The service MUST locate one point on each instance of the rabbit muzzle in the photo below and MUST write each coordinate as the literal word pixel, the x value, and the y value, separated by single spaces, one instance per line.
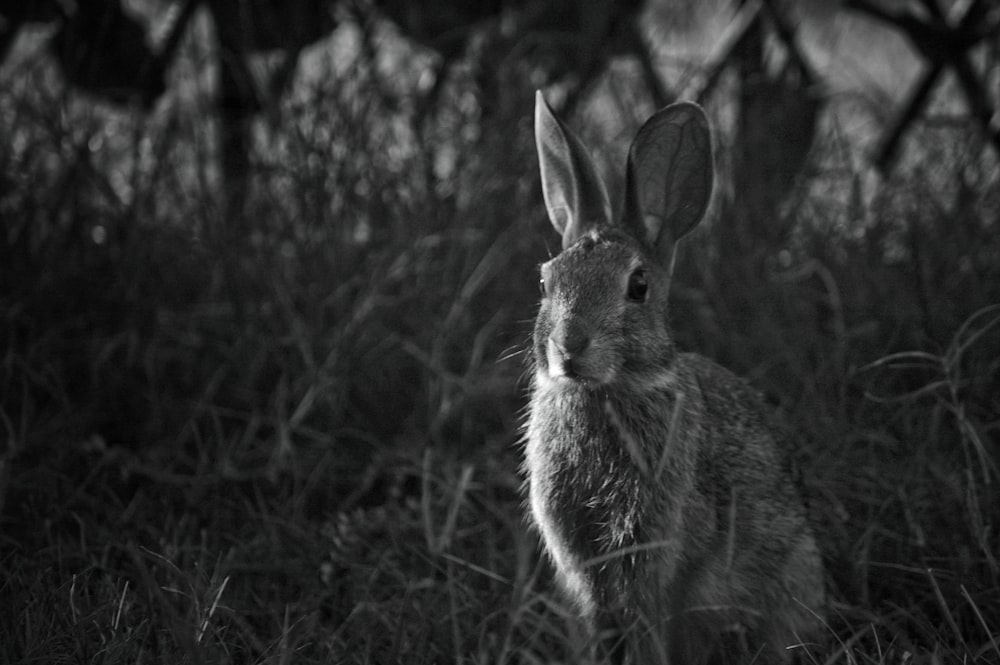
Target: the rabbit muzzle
pixel 572 355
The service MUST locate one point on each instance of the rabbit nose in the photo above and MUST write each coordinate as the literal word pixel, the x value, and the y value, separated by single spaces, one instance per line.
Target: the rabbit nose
pixel 565 348
pixel 574 342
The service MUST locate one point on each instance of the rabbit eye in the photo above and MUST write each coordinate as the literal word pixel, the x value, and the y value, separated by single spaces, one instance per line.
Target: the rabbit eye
pixel 637 286
pixel 541 287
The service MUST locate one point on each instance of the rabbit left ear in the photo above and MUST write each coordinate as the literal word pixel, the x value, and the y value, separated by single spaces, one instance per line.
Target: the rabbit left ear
pixel 669 176
pixel 575 195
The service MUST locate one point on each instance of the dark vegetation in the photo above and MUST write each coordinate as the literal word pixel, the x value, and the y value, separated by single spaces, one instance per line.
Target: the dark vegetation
pixel 296 440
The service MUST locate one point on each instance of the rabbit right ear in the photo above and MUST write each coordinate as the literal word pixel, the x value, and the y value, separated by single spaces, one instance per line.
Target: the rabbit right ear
pixel 669 178
pixel 575 195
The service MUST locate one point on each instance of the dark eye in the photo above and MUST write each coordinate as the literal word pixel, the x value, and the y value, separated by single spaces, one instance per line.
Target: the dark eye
pixel 541 286
pixel 637 286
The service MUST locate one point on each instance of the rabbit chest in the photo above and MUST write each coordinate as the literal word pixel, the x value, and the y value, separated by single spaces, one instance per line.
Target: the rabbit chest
pixel 589 461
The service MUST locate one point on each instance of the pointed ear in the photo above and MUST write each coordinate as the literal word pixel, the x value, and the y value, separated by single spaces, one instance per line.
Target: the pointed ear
pixel 669 176
pixel 575 195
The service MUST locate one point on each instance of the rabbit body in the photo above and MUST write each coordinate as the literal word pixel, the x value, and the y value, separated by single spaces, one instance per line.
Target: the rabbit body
pixel 654 476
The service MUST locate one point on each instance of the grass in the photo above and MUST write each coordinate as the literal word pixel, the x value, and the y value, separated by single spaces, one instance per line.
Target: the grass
pixel 300 444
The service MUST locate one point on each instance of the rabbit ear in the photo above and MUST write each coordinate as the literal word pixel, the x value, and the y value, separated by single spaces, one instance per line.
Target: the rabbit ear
pixel 669 176
pixel 575 195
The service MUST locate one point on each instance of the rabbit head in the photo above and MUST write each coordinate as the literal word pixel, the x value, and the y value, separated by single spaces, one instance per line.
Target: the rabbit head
pixel 603 315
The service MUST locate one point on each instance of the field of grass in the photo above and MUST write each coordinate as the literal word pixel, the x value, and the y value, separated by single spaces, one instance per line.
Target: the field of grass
pixel 295 440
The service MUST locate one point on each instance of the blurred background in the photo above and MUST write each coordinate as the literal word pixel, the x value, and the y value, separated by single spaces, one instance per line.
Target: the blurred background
pixel 268 272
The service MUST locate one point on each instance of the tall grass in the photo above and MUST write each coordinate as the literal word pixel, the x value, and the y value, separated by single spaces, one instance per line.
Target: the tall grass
pixel 297 441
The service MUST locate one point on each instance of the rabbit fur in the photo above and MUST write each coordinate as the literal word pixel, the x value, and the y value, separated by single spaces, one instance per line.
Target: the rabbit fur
pixel 654 477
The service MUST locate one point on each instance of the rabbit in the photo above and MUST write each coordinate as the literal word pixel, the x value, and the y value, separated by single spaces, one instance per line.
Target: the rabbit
pixel 654 477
